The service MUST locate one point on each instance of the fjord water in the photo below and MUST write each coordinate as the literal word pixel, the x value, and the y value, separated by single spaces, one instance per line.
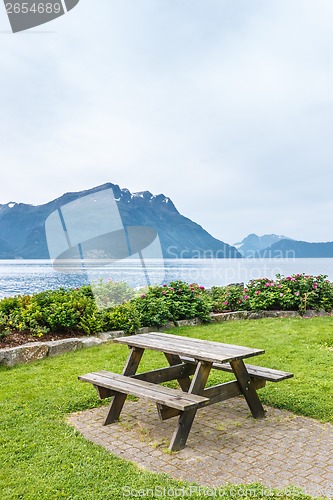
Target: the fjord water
pixel 21 277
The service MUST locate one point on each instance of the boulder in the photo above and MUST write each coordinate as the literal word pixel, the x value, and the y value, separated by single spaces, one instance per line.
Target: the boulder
pixel 56 347
pixel 23 354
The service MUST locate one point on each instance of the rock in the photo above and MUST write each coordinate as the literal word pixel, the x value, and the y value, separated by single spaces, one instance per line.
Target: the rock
pixel 105 336
pixel 217 317
pixel 56 347
pixel 23 354
pixel 188 322
pixel 91 342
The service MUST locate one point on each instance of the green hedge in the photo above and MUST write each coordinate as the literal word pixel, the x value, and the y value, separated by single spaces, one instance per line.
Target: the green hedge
pixel 115 306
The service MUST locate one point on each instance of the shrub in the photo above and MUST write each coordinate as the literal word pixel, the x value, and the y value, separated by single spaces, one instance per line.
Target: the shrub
pixel 227 298
pixel 110 293
pixel 298 292
pixel 173 302
pixel 88 310
pixel 124 317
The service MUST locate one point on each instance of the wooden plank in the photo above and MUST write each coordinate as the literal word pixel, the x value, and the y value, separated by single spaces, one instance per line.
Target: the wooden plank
pixel 161 375
pixel 186 342
pixel 222 392
pixel 197 341
pixel 248 389
pixel 227 390
pixel 119 399
pixel 269 374
pixel 196 348
pixel 133 361
pixel 150 339
pixel 103 392
pixel 157 393
pixel 216 394
pixel 185 419
pixel 184 381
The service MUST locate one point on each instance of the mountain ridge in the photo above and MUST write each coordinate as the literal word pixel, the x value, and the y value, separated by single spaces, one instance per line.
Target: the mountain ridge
pixel 22 231
pixel 253 246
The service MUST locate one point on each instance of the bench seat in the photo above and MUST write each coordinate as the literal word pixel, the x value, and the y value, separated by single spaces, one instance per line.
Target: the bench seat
pixel 259 372
pixel 174 398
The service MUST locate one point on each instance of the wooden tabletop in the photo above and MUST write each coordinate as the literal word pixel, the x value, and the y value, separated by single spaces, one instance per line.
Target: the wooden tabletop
pixel 202 350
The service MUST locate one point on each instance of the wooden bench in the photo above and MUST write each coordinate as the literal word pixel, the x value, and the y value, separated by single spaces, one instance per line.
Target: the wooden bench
pixel 115 383
pixel 255 372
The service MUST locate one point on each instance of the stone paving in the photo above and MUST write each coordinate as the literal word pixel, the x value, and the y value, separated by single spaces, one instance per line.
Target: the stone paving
pixel 225 445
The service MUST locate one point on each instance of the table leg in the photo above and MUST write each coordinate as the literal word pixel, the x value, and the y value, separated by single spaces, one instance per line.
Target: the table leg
pixel 119 399
pixel 174 359
pixel 247 388
pixel 185 382
pixel 186 418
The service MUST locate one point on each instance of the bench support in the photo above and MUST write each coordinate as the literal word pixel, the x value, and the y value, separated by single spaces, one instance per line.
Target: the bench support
pixel 247 388
pixel 119 399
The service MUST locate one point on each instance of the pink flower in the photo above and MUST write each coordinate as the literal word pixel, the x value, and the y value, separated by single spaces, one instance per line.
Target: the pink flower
pixel 246 297
pixel 257 292
pixel 281 294
pixel 315 286
pixel 143 295
pixel 165 284
pixel 279 286
pixel 225 302
pixel 163 293
pixel 297 294
pixel 267 284
pixel 202 287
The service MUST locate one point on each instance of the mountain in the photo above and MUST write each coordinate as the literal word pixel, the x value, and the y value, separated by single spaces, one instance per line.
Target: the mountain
pixel 22 230
pixel 274 246
pixel 252 244
pixel 293 249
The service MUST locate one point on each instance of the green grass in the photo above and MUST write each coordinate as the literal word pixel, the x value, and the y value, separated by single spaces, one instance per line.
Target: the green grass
pixel 44 458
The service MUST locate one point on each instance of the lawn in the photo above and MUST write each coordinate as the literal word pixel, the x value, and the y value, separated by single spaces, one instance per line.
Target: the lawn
pixel 44 458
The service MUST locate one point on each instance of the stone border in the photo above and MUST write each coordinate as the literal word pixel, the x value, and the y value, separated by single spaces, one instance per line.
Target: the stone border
pixel 34 351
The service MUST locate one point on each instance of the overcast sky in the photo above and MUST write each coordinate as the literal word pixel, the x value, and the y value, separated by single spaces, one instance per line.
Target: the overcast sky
pixel 225 106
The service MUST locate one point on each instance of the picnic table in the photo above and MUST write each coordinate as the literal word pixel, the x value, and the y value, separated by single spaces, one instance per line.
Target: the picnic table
pixel 186 357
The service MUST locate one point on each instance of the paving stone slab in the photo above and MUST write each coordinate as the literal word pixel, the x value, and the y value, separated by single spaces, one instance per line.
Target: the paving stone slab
pixel 295 450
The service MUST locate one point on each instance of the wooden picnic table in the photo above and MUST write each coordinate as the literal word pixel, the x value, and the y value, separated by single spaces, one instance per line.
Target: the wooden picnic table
pixel 186 357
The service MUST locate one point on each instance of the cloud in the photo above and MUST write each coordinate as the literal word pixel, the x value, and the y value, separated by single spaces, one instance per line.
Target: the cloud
pixel 226 107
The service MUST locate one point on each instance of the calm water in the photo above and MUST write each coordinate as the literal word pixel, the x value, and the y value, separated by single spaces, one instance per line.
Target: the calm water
pixel 31 276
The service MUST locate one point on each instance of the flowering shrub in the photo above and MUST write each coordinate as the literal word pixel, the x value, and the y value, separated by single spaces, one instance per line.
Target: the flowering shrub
pixel 173 302
pixel 298 292
pixel 227 298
